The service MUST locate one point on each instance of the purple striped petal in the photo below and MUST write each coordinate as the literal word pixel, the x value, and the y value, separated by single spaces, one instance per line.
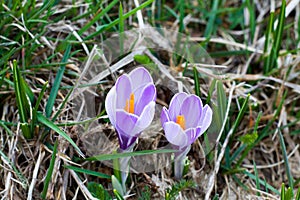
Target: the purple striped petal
pixel 206 118
pixel 193 134
pixel 191 109
pixel 164 116
pixel 110 105
pixel 147 95
pixel 175 105
pixel 139 78
pixel 125 141
pixel 126 122
pixel 123 90
pixel 146 118
pixel 175 135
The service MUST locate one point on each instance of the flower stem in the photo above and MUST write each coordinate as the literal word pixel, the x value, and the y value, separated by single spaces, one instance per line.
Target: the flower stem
pixel 179 162
pixel 124 166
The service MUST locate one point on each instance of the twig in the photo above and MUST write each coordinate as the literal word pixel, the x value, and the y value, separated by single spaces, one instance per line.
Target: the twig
pixel 35 173
pixel 219 158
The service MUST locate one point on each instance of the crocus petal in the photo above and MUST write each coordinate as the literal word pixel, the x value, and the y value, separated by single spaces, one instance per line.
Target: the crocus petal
pixel 123 90
pixel 193 134
pixel 126 122
pixel 206 118
pixel 191 109
pixel 175 105
pixel 148 94
pixel 145 118
pixel 164 116
pixel 175 135
pixel 125 141
pixel 139 78
pixel 110 105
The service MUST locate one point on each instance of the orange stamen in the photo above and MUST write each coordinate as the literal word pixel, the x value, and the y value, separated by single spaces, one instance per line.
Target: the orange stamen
pixel 131 103
pixel 181 121
pixel 129 106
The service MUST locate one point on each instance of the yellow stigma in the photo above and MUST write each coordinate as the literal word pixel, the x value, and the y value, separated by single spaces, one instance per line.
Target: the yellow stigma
pixel 129 106
pixel 181 121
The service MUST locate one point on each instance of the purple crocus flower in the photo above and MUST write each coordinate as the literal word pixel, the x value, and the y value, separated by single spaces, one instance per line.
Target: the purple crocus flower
pixel 184 121
pixel 130 105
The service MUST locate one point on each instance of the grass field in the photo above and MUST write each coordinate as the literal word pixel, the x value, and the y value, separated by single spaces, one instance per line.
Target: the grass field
pixel 60 58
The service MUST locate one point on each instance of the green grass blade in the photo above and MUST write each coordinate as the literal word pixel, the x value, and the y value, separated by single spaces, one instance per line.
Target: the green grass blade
pixel 181 16
pixel 298 194
pixel 42 119
pixel 197 85
pixel 27 90
pixel 211 22
pixel 50 171
pixel 264 132
pixel 22 101
pixel 251 8
pixel 277 38
pixel 211 89
pixel 89 172
pixel 62 105
pixel 221 101
pixel 265 184
pixel 279 30
pixel 35 109
pixel 103 157
pixel 47 5
pixel 286 161
pixel 282 194
pixel 116 167
pixel 5 57
pixel 121 30
pixel 3 125
pixel 98 16
pixel 256 178
pixel 268 40
pixel 241 114
pixel 57 82
pixel 20 176
pixel 115 22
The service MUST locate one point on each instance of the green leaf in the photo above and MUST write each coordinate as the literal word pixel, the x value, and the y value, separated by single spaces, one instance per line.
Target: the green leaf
pixel 50 171
pixel 35 109
pixel 286 162
pixel 282 195
pixel 256 178
pixel 249 138
pixel 89 172
pixel 211 22
pixel 298 194
pixel 117 186
pixel 116 167
pixel 102 28
pixel 267 186
pixel 241 114
pixel 251 8
pixel 42 119
pixel 222 100
pixel 121 30
pixel 22 101
pixel 127 154
pixel 57 82
pixel 268 41
pixel 142 59
pixel 98 191
pixel 98 17
pixel 196 79
pixel 21 177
